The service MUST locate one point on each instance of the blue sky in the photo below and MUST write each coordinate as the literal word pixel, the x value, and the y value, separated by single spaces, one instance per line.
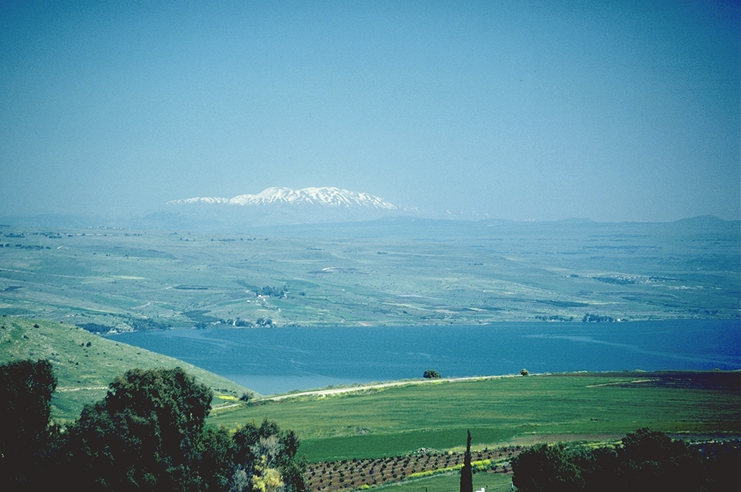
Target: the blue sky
pixel 539 110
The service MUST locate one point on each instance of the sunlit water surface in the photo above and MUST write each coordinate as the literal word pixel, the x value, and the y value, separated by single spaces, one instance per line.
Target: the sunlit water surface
pixel 278 360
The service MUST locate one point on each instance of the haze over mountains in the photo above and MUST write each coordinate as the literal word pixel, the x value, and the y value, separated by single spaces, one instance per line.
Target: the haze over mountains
pixel 323 207
pixel 274 206
pixel 279 206
pixel 326 196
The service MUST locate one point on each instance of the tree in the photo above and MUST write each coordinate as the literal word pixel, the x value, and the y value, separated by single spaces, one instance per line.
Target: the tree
pixel 26 388
pixel 146 434
pixel 546 468
pixel 467 471
pixel 265 459
pixel 645 461
pixel 431 374
pixel 651 460
pixel 216 465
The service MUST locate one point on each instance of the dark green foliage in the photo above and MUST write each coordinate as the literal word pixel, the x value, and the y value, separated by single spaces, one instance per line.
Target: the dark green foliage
pixel 431 374
pixel 546 468
pixel 723 465
pixel 652 461
pixel 466 471
pixel 26 388
pixel 216 463
pixel 645 461
pixel 146 324
pixel 293 472
pixel 596 318
pixel 269 291
pixel 145 435
pixel 96 327
pixel 278 447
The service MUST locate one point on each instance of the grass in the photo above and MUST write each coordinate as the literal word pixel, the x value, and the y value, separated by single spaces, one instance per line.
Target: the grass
pixel 492 482
pixel 400 420
pixel 397 421
pixel 85 364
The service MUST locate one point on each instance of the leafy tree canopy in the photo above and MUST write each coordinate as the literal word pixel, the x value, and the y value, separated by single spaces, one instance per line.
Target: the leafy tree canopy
pixel 644 461
pixel 144 435
pixel 26 389
pixel 147 434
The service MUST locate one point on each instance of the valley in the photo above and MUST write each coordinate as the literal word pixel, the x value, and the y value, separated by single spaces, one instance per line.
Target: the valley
pixel 391 272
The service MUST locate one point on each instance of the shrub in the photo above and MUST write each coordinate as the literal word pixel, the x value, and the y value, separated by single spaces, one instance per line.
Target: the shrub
pixel 431 374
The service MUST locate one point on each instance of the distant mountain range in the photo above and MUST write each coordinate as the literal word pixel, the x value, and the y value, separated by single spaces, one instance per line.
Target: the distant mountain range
pixel 326 196
pixel 312 211
pixel 278 206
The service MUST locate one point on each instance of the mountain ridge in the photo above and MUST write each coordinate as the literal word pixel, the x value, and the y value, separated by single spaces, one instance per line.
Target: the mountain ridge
pixel 322 196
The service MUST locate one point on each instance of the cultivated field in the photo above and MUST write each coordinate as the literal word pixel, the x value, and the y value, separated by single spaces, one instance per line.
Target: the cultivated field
pixel 410 434
pixel 399 420
pixel 393 272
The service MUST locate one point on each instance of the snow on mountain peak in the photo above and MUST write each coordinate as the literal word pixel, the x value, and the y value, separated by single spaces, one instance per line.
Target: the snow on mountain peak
pixel 327 196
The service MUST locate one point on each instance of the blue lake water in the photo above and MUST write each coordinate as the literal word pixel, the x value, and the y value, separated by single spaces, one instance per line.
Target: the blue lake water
pixel 278 360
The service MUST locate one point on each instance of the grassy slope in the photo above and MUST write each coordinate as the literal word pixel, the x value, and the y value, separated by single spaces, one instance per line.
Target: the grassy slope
pixel 399 420
pixel 83 373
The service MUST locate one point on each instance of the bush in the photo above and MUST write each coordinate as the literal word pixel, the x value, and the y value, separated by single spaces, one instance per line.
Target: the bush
pixel 644 461
pixel 431 374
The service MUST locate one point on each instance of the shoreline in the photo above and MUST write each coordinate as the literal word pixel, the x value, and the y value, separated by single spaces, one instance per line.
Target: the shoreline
pixel 641 377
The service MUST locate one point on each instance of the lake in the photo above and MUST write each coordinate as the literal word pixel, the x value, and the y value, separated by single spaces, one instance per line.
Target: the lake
pixel 278 360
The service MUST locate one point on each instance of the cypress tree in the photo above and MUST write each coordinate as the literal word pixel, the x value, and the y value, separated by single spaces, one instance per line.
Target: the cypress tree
pixel 466 471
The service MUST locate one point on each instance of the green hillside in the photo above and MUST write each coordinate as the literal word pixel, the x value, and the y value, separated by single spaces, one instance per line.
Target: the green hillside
pixel 85 364
pixel 399 420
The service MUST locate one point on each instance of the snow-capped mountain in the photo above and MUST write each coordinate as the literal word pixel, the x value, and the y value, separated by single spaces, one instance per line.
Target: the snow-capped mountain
pixel 326 196
pixel 280 206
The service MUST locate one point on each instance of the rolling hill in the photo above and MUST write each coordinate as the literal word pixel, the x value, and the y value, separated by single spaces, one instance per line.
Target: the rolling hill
pixel 85 364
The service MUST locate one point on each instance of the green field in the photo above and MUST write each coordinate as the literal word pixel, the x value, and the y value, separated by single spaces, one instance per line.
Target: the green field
pixel 393 273
pixel 85 364
pixel 450 483
pixel 400 420
pixel 398 273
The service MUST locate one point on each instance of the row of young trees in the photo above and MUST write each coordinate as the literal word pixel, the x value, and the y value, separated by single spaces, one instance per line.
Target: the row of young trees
pixel 147 434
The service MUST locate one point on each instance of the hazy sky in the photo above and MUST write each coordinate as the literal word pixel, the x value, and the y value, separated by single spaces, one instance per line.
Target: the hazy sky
pixel 622 110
